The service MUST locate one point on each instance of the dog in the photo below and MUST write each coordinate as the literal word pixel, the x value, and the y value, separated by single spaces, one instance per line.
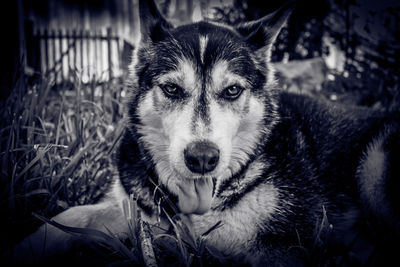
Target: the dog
pixel 208 125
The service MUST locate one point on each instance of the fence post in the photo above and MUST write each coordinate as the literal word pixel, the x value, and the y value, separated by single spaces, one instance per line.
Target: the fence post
pixel 110 73
pixel 87 34
pixel 68 36
pixel 81 53
pixel 119 54
pixel 74 38
pixel 61 48
pixel 96 56
pixel 99 43
pixel 46 51
pixel 53 44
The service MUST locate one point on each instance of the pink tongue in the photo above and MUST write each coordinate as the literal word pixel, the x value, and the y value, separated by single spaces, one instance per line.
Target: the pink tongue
pixel 195 195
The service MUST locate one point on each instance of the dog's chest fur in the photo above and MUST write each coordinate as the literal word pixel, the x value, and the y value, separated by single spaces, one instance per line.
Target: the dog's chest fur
pixel 242 221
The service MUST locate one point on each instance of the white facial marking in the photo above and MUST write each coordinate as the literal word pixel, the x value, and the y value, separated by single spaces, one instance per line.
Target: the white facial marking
pixel 203 44
pixel 222 77
pixel 184 76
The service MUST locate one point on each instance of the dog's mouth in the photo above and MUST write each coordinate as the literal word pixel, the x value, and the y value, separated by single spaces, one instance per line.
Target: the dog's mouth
pixel 195 195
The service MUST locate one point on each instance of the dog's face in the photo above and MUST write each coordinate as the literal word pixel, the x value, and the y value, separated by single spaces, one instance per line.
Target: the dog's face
pixel 202 94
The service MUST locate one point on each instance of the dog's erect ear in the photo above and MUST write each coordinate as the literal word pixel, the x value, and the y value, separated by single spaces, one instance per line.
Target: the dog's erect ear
pixel 262 33
pixel 153 26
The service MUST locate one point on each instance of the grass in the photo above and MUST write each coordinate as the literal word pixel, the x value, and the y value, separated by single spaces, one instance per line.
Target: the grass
pixel 55 148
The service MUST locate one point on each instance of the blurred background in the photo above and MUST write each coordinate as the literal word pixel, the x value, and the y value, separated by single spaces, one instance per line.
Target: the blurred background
pixel 64 64
pixel 349 47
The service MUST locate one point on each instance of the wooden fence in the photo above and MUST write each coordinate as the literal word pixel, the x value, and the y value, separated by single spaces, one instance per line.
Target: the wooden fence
pixel 67 54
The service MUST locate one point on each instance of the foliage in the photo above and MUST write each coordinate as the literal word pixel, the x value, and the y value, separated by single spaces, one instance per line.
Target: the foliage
pixel 56 147
pixel 358 33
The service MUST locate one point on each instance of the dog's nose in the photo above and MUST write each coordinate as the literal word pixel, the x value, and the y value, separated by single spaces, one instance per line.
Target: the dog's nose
pixel 201 157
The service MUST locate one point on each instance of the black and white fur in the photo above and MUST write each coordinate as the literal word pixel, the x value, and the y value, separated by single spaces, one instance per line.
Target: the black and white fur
pixel 284 161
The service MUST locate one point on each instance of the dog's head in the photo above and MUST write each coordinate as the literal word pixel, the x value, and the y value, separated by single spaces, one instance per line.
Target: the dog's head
pixel 202 98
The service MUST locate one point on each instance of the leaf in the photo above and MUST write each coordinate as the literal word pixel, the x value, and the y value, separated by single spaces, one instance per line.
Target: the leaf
pixel 38 192
pixel 94 234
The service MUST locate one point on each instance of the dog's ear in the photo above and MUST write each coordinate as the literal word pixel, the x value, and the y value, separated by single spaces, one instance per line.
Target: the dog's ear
pixel 262 33
pixel 153 26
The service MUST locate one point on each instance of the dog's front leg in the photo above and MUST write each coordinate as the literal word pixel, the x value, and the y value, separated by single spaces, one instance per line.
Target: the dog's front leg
pixel 48 241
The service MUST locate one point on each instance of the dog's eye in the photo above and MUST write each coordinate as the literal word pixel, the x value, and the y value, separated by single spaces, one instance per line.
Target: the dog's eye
pixel 172 90
pixel 232 92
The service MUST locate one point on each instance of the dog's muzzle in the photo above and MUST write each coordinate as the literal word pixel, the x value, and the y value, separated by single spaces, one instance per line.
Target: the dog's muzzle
pixel 195 194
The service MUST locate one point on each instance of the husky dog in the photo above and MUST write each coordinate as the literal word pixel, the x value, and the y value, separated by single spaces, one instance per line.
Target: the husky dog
pixel 209 126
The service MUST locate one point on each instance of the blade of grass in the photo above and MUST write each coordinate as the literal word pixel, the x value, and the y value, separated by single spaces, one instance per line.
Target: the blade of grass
pixel 178 236
pixel 59 125
pixel 38 156
pixel 72 165
pixel 131 217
